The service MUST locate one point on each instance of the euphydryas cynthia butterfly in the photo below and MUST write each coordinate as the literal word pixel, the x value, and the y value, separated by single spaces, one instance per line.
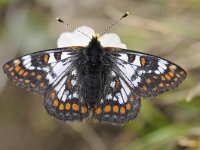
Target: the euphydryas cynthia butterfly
pixel 106 82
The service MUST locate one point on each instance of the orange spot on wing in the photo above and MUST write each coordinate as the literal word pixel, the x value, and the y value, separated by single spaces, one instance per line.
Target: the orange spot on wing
pixel 122 110
pixel 67 106
pixel 167 77
pixel 56 103
pixel 17 68
pixel 131 57
pixel 143 61
pixel 175 79
pixel 42 84
pixel 61 107
pixel 12 73
pixel 161 85
pixel 20 80
pixel 128 106
pixel 25 73
pixel 148 80
pixel 155 89
pixel 117 84
pixel 98 111
pixel 107 108
pixel 163 78
pixel 178 75
pixel 27 81
pixel 33 73
pixel 171 73
pixel 46 58
pixel 83 109
pixel 172 67
pixel 144 88
pixel 6 66
pixel 115 109
pixel 32 85
pixel 155 77
pixel 182 72
pixel 21 72
pixel 52 95
pixel 167 84
pixel 131 98
pixel 75 107
pixel 39 77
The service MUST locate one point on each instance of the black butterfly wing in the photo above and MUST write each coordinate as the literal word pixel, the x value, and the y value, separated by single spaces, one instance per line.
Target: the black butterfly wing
pixel 146 74
pixel 119 103
pixel 38 72
pixel 64 101
pixel 134 75
pixel 53 73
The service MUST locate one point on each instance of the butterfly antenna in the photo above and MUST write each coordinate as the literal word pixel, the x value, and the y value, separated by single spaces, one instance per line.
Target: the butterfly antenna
pixel 72 27
pixel 117 21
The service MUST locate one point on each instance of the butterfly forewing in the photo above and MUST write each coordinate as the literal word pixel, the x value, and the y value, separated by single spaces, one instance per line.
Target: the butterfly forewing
pixel 146 74
pixel 40 71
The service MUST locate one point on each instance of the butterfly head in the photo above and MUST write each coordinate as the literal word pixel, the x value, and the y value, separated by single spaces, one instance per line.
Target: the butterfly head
pixel 94 41
pixel 96 36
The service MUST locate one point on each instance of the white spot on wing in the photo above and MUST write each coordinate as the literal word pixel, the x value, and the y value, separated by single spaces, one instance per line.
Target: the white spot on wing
pixel 136 81
pixel 65 96
pixel 140 72
pixel 73 82
pixel 74 72
pixel 109 96
pixel 50 78
pixel 46 69
pixel 27 62
pixel 161 70
pixel 112 84
pixel 57 88
pixel 124 57
pixel 27 57
pixel 157 72
pixel 113 73
pixel 28 65
pixel 127 70
pixel 64 55
pixel 51 58
pixel 119 97
pixel 75 95
pixel 124 85
pixel 137 61
pixel 114 98
pixel 125 98
pixel 31 68
pixel 58 68
pixel 163 61
pixel 60 93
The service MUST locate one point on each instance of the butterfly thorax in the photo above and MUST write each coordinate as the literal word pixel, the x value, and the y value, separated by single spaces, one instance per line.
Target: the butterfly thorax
pixel 94 52
pixel 93 72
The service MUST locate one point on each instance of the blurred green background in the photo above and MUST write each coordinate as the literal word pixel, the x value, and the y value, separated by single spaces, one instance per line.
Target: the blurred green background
pixel 167 28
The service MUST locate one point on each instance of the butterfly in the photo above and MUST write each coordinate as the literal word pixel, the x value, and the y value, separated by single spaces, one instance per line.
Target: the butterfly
pixel 94 82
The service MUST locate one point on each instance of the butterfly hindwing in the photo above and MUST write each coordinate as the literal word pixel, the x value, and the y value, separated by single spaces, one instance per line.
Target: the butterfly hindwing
pixel 64 101
pixel 38 71
pixel 119 103
pixel 146 74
